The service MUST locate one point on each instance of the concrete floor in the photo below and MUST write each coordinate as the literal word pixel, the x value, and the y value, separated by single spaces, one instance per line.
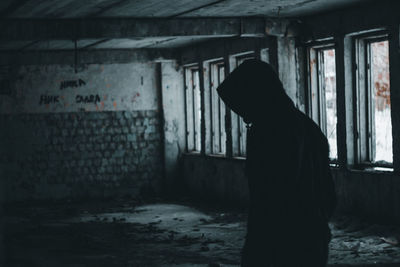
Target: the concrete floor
pixel 127 233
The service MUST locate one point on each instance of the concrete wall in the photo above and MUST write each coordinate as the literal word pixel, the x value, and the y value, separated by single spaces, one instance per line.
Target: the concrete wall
pixel 95 87
pixel 2 230
pixel 222 180
pixel 173 104
pixel 287 66
pixel 216 178
pixel 85 134
pixel 370 192
pixel 366 193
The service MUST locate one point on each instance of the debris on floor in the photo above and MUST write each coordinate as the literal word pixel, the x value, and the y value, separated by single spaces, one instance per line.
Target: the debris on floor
pixel 163 234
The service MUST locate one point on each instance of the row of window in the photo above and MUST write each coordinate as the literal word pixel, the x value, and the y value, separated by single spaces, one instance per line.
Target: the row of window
pixel 215 108
pixel 371 101
pixel 372 110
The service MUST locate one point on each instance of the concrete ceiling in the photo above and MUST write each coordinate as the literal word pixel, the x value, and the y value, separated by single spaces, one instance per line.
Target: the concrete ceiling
pixel 131 9
pixel 166 8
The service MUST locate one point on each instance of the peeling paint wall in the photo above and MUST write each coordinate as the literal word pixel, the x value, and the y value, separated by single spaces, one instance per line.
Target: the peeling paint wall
pixel 95 87
pixel 94 133
pixel 174 122
pixel 287 67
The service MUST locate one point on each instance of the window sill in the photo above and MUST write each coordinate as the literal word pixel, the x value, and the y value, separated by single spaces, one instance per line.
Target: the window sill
pixel 373 169
pixel 192 153
pixel 239 157
pixel 215 156
pixel 333 166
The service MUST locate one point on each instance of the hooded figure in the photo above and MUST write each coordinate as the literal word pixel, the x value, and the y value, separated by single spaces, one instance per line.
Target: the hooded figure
pixel 291 189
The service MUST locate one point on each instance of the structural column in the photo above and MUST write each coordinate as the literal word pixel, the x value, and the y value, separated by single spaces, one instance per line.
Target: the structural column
pixel 341 101
pixel 394 55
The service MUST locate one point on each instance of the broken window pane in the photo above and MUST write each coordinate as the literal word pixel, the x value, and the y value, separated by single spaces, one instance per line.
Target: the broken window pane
pixel 380 102
pixel 329 77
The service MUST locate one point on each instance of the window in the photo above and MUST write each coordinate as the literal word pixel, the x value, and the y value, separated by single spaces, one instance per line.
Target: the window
pixel 322 67
pixel 373 111
pixel 193 109
pixel 217 109
pixel 239 129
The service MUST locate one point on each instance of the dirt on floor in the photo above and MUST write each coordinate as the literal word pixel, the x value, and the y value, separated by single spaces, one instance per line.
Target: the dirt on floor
pixel 132 233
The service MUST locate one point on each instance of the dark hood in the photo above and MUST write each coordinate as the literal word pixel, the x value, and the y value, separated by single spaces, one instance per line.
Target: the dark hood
pixel 253 91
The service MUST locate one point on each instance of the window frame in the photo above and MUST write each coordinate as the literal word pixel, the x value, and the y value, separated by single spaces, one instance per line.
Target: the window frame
pixel 316 109
pixel 192 146
pixel 221 135
pixel 364 132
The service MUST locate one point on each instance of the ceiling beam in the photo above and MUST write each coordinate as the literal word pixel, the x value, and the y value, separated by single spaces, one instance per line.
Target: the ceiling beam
pixel 110 28
pixel 215 48
pixel 103 56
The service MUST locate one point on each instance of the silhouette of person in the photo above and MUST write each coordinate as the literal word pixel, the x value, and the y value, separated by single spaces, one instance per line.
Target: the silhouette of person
pixel 291 189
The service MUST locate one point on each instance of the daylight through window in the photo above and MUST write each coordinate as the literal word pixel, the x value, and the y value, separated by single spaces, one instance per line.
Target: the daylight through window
pixel 193 109
pixel 380 119
pixel 323 110
pixel 218 136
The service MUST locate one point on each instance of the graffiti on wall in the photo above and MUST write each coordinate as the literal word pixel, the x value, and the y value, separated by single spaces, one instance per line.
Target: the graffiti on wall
pixel 72 84
pixel 57 88
pixel 79 99
pixel 87 99
pixel 49 99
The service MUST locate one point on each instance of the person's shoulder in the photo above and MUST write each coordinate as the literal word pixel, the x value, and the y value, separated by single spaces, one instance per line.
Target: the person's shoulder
pixel 312 130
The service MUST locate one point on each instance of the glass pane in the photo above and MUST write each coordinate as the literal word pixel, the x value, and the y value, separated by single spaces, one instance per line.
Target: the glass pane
pixel 330 100
pixel 235 134
pixel 189 110
pixel 214 110
pixel 218 110
pixel 381 119
pixel 242 137
pixel 196 109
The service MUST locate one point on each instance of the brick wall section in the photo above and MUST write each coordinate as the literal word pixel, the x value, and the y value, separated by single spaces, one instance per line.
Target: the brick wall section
pixel 84 154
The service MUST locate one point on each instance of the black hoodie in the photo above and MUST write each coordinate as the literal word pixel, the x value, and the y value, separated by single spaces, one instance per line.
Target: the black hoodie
pixel 291 189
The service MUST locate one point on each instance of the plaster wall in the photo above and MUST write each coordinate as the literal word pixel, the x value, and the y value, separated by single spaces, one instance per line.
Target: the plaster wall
pixel 75 133
pixel 287 67
pixel 94 87
pixel 173 101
